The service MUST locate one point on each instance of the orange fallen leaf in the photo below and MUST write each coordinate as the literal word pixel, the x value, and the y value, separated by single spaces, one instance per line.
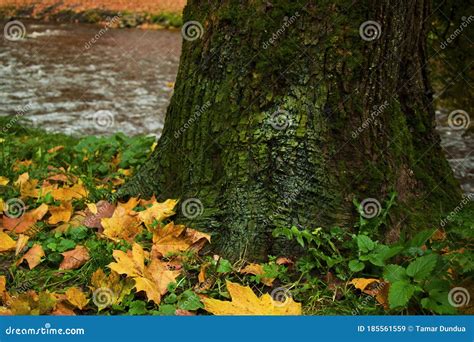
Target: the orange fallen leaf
pixel 374 287
pixel 26 221
pixel 245 302
pixel 176 238
pixel 257 270
pixel 60 214
pixel 55 149
pixel 22 179
pixel 6 242
pixel 33 256
pixel 75 258
pixel 362 283
pixel 63 310
pixel 109 290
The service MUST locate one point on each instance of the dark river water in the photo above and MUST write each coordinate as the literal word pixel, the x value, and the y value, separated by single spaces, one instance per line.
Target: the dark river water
pixel 77 79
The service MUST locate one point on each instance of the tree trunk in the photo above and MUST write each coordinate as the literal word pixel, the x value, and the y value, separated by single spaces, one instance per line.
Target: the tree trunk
pixel 284 112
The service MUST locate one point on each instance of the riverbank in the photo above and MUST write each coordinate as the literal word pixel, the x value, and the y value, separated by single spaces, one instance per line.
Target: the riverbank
pixel 147 14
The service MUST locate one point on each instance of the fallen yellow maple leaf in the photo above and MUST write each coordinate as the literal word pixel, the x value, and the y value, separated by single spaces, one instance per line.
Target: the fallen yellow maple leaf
pixel 122 225
pixel 176 238
pixel 22 179
pixel 152 279
pixel 75 258
pixel 109 290
pixel 62 213
pixel 157 211
pixel 33 256
pixel 245 302
pixel 6 242
pixel 4 180
pixel 76 297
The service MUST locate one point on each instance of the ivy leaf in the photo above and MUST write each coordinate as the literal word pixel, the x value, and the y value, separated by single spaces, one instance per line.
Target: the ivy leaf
pixel 224 266
pixel 400 293
pixel 422 267
pixel 394 273
pixel 356 265
pixel 189 301
pixel 365 243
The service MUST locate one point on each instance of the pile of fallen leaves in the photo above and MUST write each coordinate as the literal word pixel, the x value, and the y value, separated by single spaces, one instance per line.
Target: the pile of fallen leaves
pixel 151 255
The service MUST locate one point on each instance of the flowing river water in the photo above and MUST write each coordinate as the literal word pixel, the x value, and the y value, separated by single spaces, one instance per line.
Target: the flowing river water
pixel 80 79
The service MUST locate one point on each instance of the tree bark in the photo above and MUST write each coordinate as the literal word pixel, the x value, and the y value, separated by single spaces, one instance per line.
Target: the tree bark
pixel 282 114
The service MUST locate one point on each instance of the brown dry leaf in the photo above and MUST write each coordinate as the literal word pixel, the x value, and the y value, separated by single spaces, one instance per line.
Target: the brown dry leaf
pixel 284 261
pixel 6 242
pixel 31 303
pixel 152 279
pixel 158 212
pixel 374 287
pixel 21 243
pixel 176 238
pixel 76 297
pixel 26 221
pixel 75 258
pixel 62 213
pixel 122 225
pixel 438 235
pixel 96 212
pixel 33 256
pixel 4 180
pixel 257 270
pixel 245 302
pixel 55 149
pixel 181 312
pixel 28 189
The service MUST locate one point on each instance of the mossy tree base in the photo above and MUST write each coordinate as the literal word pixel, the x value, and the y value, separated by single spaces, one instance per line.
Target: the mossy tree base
pixel 288 131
